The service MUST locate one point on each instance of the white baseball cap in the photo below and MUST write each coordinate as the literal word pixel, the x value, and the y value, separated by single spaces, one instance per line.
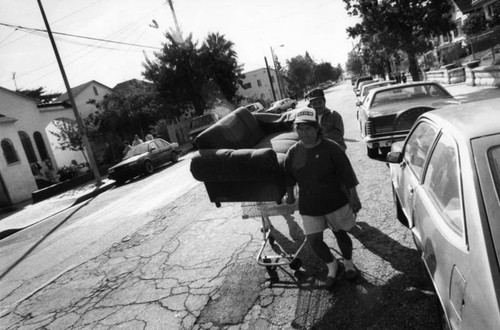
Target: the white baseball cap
pixel 306 115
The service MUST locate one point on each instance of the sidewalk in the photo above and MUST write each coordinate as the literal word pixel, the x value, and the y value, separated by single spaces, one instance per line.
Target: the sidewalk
pixel 26 214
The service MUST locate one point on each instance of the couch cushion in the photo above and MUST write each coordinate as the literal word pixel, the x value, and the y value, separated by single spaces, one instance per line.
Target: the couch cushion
pixel 279 142
pixel 227 165
pixel 238 130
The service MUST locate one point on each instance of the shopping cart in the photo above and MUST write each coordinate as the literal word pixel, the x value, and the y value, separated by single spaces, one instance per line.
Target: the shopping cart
pixel 264 210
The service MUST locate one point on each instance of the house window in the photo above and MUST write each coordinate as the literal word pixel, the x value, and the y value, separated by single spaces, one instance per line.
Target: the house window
pixel 40 145
pixel 9 152
pixel 259 83
pixel 28 147
pixel 247 85
pixel 95 90
pixel 457 32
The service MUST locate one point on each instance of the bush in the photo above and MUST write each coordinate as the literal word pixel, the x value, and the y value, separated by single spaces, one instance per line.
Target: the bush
pixel 474 24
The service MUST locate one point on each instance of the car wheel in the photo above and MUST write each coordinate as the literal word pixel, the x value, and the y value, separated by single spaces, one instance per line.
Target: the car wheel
pixel 372 152
pixel 175 157
pixel 148 167
pixel 399 210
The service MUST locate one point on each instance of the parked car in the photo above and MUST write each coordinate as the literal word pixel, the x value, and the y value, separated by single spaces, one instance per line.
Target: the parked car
pixel 387 113
pixel 366 88
pixel 446 185
pixel 255 107
pixel 358 81
pixel 199 124
pixel 282 105
pixel 143 159
pixel 362 84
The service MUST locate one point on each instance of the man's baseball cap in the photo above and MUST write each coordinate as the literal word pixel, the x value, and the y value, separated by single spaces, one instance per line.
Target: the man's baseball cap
pixel 316 94
pixel 306 115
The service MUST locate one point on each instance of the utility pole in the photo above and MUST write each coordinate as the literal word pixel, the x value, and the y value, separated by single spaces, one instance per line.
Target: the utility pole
pixel 81 127
pixel 170 3
pixel 277 73
pixel 270 79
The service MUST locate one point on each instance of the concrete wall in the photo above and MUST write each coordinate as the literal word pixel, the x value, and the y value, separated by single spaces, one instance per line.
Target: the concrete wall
pixel 484 76
pixel 444 76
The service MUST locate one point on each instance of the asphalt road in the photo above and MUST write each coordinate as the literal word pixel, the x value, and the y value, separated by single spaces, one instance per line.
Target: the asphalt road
pixel 138 257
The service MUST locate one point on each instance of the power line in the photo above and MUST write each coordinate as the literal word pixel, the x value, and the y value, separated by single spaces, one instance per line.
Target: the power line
pixel 78 36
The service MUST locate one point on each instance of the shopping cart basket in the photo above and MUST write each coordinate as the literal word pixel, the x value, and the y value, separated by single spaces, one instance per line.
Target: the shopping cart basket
pixel 264 210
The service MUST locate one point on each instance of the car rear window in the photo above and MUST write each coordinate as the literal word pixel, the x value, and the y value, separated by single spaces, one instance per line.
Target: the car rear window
pixel 408 93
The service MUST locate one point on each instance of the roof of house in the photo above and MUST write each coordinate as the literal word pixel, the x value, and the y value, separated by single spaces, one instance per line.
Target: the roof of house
pixel 466 6
pixel 18 94
pixel 78 89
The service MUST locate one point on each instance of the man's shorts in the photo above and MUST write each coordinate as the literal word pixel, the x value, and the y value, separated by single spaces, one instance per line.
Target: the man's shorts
pixel 341 219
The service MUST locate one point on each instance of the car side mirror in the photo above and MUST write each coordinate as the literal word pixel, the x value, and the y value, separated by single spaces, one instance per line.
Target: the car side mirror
pixel 152 149
pixel 394 157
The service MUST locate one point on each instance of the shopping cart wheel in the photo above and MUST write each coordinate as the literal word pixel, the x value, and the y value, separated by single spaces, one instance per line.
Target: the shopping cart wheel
pixel 296 264
pixel 271 270
pixel 273 274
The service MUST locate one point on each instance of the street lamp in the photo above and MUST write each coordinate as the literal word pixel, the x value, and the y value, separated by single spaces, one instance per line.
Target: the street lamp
pixel 277 72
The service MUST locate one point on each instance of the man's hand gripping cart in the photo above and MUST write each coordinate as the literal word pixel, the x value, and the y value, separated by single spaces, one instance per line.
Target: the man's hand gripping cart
pixel 264 210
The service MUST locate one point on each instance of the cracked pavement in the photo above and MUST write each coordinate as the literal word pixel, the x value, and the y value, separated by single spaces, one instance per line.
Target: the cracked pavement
pixel 195 268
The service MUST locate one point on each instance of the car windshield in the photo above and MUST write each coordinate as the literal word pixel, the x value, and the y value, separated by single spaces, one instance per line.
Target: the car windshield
pixel 408 93
pixel 137 150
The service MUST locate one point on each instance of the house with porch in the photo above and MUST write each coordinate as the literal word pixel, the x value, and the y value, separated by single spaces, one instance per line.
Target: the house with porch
pixel 29 150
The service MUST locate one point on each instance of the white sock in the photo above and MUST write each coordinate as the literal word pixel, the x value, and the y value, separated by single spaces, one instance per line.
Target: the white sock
pixel 349 265
pixel 332 268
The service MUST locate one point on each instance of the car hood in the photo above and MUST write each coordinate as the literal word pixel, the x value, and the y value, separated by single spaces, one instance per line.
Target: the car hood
pixel 129 160
pixel 399 106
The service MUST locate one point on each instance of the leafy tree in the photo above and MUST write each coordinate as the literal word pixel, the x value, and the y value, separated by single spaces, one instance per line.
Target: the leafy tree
pixel 325 71
pixel 474 24
pixel 68 136
pixel 39 94
pixel 406 25
pixel 186 74
pixel 301 73
pixel 127 113
pixel 354 64
pixel 221 70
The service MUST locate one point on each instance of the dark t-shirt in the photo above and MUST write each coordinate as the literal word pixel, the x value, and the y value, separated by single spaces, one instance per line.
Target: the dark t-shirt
pixel 323 173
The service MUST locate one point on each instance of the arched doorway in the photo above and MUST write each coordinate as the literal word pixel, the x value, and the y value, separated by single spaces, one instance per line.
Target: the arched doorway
pixel 28 147
pixel 40 146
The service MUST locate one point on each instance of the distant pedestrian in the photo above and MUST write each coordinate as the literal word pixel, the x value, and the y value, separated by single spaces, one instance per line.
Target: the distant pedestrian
pixel 327 192
pixel 403 77
pixel 127 147
pixel 149 137
pixel 330 121
pixel 136 141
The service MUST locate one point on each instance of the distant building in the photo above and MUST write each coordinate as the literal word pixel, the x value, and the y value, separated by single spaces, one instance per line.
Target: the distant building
pixel 256 85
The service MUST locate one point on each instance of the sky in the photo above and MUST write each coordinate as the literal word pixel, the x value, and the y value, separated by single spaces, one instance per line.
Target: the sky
pixel 290 27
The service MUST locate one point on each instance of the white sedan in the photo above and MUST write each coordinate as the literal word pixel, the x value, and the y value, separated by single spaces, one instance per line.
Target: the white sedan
pixel 281 106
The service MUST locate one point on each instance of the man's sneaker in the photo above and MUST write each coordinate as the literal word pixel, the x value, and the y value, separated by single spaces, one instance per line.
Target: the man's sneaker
pixel 330 281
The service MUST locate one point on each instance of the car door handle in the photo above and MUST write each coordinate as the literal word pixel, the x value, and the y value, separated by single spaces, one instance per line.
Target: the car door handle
pixel 410 189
